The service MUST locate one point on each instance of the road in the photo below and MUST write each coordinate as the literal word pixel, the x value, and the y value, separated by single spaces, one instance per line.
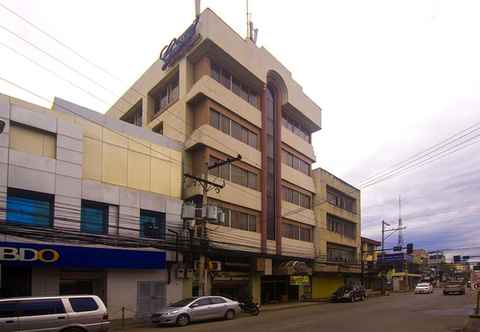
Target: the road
pixel 394 313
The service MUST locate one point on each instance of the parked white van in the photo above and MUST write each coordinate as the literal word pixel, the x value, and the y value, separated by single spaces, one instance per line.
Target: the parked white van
pixel 75 313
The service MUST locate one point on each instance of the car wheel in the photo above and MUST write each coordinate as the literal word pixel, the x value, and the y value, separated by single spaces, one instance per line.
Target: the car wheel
pixel 183 320
pixel 73 329
pixel 230 314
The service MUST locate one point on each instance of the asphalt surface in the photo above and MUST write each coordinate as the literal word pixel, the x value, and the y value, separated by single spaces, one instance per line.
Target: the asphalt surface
pixel 395 313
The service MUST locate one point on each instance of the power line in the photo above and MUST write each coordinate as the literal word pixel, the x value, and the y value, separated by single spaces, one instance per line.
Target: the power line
pixel 59 42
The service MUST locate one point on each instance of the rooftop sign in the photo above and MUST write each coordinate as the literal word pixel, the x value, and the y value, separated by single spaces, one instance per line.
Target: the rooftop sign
pixel 178 46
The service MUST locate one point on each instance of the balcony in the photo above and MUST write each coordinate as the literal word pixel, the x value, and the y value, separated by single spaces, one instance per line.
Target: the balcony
pixel 211 137
pixel 298 178
pixel 210 88
pixel 297 143
pixel 298 213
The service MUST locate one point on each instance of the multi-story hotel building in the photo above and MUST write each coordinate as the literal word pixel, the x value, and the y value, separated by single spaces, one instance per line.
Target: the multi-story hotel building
pixel 219 95
pixel 338 244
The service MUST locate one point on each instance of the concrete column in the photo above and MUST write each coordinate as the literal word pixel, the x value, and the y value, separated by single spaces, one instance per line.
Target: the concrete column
pixel 255 285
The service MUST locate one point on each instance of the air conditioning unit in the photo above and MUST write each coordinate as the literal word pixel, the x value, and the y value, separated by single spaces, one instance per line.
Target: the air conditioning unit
pixel 188 211
pixel 180 273
pixel 200 213
pixel 189 223
pixel 221 218
pixel 215 266
pixel 211 212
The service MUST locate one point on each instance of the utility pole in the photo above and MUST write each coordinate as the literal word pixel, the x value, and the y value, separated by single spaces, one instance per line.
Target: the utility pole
pixel 207 186
pixel 400 223
pixel 383 255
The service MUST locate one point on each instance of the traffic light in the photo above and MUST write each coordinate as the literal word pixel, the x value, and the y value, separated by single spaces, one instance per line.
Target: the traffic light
pixel 409 248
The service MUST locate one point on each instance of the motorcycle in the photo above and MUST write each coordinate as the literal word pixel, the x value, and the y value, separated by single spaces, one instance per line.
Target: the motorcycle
pixel 250 308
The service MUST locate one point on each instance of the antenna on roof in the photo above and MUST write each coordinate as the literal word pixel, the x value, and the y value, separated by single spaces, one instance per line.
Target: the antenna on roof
pixel 197 8
pixel 252 33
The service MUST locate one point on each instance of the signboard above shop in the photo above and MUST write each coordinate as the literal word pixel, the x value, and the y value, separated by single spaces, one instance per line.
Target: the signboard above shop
pixel 65 256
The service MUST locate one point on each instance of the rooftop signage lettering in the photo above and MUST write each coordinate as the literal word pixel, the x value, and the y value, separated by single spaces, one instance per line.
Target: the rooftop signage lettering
pixel 178 46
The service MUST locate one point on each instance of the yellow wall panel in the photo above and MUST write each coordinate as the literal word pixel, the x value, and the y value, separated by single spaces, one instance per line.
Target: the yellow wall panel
pixel 160 176
pixel 90 129
pixel 138 171
pixel 176 181
pixel 139 146
pixel 114 168
pixel 92 159
pixel 50 146
pixel 114 138
pixel 32 140
pixel 161 152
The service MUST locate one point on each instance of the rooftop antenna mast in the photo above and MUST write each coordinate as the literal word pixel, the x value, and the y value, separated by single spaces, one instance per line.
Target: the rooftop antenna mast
pixel 400 223
pixel 251 31
pixel 197 8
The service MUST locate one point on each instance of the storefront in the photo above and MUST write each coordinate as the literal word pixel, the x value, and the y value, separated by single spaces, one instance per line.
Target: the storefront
pixel 130 278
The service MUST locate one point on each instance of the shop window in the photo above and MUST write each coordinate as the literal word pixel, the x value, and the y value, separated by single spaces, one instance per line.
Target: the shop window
pixel 83 304
pixel 32 140
pixel 94 217
pixel 40 307
pixel 29 208
pixel 152 224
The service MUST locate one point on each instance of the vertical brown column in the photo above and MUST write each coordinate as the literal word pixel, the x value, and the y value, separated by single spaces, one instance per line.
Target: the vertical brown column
pixel 263 140
pixel 278 172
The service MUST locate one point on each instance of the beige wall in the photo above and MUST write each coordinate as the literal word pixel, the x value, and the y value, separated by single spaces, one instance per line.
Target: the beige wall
pixel 323 178
pixel 32 140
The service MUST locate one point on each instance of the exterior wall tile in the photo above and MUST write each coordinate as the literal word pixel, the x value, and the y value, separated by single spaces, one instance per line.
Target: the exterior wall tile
pixel 4 106
pixel 67 212
pixel 32 161
pixel 33 119
pixel 68 169
pixel 69 129
pixel 68 186
pixel 68 155
pixel 129 197
pixel 29 179
pixel 99 192
pixel 69 143
pixel 129 221
pixel 152 202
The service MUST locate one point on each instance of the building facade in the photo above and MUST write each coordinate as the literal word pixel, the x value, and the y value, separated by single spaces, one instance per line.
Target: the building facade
pixel 86 202
pixel 337 236
pixel 221 96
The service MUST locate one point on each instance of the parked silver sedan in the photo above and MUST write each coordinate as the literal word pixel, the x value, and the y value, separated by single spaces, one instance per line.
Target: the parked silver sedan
pixel 196 309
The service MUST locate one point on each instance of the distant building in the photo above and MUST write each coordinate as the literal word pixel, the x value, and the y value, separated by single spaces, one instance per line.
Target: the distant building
pixel 337 238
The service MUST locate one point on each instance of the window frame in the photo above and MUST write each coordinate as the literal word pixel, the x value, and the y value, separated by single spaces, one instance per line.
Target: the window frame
pixel 162 223
pixel 31 195
pixel 94 205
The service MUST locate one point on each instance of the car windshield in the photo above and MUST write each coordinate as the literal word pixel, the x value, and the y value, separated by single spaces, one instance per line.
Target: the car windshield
pixel 423 285
pixel 182 303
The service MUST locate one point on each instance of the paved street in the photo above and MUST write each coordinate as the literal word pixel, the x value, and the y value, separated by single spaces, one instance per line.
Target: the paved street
pixel 395 313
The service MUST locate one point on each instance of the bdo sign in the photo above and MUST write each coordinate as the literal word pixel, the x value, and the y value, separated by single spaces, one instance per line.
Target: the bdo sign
pixel 28 255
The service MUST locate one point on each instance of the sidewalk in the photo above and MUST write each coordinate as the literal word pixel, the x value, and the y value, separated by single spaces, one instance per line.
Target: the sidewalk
pixel 473 325
pixel 285 306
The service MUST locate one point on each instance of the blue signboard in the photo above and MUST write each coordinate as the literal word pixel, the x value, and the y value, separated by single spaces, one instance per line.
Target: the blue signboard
pixel 65 256
pixel 394 258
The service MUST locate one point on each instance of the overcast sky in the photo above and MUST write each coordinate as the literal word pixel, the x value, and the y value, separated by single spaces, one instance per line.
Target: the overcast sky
pixel 392 78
